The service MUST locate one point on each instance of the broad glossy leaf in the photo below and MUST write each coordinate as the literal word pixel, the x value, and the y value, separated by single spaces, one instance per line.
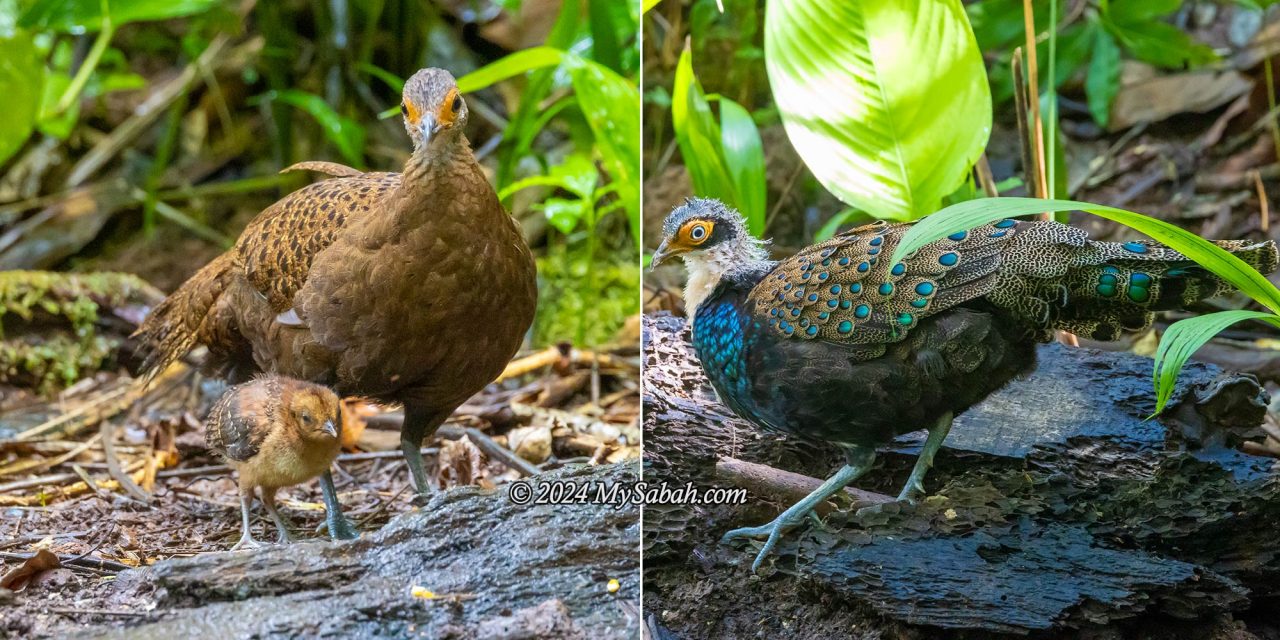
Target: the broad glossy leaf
pixel 1181 340
pixel 744 159
pixel 22 85
pixel 611 105
pixel 1160 44
pixel 563 214
pixel 887 102
pixel 967 215
pixel 698 135
pixel 81 16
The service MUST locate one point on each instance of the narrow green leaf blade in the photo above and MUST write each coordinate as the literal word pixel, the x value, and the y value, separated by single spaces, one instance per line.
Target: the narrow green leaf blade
pixel 888 133
pixel 1183 338
pixel 967 215
pixel 346 134
pixel 698 135
pixel 82 16
pixel 510 66
pixel 1102 82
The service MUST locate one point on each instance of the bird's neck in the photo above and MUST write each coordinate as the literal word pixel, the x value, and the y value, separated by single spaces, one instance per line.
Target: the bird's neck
pixel 429 162
pixel 709 268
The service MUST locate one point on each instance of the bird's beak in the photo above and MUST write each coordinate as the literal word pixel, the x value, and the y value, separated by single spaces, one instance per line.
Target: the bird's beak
pixel 429 127
pixel 331 428
pixel 663 253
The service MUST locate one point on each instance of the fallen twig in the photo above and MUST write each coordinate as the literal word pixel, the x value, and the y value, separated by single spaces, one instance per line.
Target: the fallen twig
pixel 785 486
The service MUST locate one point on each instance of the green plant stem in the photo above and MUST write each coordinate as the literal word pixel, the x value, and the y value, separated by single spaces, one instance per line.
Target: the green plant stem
pixel 87 67
pixel 1271 105
pixel 245 185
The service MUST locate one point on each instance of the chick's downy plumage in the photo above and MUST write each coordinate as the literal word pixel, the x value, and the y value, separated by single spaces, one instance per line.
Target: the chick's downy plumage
pixel 413 287
pixel 275 432
pixel 836 344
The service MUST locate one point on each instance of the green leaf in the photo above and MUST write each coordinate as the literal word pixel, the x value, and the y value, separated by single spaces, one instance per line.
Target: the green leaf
pixel 1102 82
pixel 967 215
pixel 81 16
pixel 22 85
pixel 829 229
pixel 611 105
pixel 510 66
pixel 744 159
pixel 1184 338
pixel 563 214
pixel 1132 11
pixel 1160 44
pixel 346 134
pixel 698 135
pixel 50 122
pixel 886 132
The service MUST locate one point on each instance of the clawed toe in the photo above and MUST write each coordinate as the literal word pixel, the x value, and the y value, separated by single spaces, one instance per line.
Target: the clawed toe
pixel 772 533
pixel 247 542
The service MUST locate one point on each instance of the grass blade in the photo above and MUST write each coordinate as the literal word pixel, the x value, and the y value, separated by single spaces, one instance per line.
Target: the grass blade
pixel 1183 338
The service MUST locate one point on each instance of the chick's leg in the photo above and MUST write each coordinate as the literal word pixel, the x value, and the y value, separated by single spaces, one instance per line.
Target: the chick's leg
pixel 915 483
pixel 419 423
pixel 858 461
pixel 339 526
pixel 282 525
pixel 246 538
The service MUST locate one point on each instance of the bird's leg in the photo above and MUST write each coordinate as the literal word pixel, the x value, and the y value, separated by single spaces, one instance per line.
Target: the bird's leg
pixel 419 424
pixel 915 483
pixel 857 461
pixel 269 502
pixel 246 538
pixel 339 526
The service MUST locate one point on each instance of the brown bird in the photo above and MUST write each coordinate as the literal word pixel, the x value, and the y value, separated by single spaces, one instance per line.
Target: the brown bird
pixel 412 287
pixel 275 432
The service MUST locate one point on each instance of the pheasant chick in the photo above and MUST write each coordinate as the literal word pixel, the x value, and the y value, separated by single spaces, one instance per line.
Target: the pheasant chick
pixel 275 432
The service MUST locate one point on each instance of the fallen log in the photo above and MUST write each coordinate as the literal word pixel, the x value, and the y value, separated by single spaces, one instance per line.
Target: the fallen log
pixel 1055 507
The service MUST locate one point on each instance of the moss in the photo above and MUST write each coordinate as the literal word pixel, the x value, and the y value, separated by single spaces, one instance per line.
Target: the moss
pixel 64 310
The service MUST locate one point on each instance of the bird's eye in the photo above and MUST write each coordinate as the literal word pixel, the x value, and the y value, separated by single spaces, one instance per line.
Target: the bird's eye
pixel 306 418
pixel 698 233
pixel 457 103
pixel 404 109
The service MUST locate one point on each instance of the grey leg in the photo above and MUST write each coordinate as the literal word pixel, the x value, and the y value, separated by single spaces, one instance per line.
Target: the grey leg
pixel 282 525
pixel 858 461
pixel 419 424
pixel 915 483
pixel 339 526
pixel 246 538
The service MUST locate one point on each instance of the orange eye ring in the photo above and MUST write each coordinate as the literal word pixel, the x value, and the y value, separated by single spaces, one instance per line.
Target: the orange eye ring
pixel 698 231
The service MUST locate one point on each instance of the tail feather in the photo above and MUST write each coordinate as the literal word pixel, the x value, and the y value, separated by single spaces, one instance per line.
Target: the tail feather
pixel 1114 287
pixel 175 325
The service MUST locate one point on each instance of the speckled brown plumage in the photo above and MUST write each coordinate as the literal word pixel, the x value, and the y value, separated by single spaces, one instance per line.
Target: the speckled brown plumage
pixel 415 287
pixel 275 432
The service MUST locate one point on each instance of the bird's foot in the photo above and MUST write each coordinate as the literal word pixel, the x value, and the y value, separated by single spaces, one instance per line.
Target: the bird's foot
pixel 911 491
pixel 340 528
pixel 247 542
pixel 772 532
pixel 284 537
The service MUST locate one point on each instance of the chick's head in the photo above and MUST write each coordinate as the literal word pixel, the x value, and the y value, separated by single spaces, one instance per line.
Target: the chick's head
pixel 312 410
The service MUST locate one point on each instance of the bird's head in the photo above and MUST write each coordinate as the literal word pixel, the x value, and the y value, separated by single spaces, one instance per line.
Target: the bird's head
pixel 435 114
pixel 705 230
pixel 713 240
pixel 313 410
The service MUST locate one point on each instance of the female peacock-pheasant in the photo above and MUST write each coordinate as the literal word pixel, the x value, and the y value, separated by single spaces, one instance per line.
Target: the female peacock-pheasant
pixel 837 345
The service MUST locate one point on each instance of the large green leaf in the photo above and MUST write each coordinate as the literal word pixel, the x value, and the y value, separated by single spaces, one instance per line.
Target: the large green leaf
pixel 611 105
pixel 887 102
pixel 1184 337
pixel 21 84
pixel 79 16
pixel 698 135
pixel 967 215
pixel 510 66
pixel 744 159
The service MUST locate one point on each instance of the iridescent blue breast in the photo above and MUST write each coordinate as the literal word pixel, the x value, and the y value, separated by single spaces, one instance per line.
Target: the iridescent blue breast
pixel 722 341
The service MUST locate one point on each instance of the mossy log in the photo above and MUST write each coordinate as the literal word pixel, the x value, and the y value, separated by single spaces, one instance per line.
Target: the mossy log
pixel 1056 509
pixel 58 327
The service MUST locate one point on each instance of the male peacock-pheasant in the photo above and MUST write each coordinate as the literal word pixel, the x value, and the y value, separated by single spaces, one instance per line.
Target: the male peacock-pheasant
pixel 835 344
pixel 414 288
